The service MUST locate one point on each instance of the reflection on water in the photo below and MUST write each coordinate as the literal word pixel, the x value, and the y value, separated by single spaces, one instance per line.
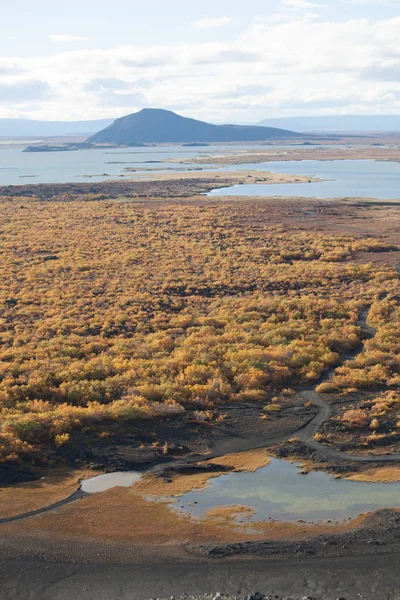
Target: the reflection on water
pixel 101 483
pixel 279 492
pixel 342 179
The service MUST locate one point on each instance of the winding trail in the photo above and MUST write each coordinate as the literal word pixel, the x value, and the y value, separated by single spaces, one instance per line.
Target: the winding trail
pixel 32 513
pixel 305 434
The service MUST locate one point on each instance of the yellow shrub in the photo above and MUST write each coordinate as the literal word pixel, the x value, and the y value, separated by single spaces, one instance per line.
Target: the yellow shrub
pixel 61 439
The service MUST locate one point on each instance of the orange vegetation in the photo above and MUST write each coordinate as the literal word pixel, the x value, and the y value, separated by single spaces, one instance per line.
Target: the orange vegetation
pixel 116 311
pixel 234 512
pixel 249 461
pixel 379 363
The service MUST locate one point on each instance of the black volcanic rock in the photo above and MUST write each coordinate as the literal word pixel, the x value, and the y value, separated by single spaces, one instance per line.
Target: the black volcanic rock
pixel 156 126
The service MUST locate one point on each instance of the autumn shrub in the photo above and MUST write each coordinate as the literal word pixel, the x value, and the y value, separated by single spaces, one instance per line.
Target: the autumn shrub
pixel 379 363
pixel 370 421
pixel 356 419
pixel 144 313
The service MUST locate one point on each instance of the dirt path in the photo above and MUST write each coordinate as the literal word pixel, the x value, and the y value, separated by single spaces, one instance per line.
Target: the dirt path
pixel 32 513
pixel 307 435
pixel 325 410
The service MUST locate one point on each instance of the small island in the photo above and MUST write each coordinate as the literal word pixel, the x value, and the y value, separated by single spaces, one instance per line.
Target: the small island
pixel 59 148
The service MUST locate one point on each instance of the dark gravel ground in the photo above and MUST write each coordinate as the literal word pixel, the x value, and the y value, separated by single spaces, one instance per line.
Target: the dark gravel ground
pixel 346 577
pixel 255 596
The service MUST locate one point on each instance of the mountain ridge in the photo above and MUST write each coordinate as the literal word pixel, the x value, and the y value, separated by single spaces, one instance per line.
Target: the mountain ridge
pixel 155 126
pixel 14 128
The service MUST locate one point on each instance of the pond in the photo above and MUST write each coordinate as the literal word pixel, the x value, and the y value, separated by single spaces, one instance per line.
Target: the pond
pixel 278 491
pixel 105 482
pixel 275 492
pixel 342 179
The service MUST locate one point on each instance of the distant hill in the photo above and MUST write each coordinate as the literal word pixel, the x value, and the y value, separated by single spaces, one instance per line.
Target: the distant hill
pixel 337 123
pixel 156 126
pixel 27 128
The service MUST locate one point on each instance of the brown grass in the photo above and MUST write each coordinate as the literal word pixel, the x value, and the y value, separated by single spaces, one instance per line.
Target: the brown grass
pixel 389 474
pixel 230 512
pixel 386 474
pixel 126 516
pixel 244 461
pixel 152 486
pixel 25 497
pixel 156 487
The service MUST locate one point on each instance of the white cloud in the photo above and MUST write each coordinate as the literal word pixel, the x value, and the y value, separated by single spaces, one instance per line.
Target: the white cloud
pixel 299 4
pixel 24 91
pixel 288 10
pixel 211 22
pixel 274 68
pixel 62 38
pixel 373 2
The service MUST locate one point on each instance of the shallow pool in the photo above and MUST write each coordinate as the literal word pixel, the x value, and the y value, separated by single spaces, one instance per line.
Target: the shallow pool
pixel 105 482
pixel 280 492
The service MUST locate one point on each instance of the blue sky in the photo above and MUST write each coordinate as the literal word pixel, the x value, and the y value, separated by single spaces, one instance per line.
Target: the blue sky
pixel 113 22
pixel 221 60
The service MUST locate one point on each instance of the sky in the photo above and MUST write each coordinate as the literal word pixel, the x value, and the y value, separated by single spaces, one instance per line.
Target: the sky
pixel 216 60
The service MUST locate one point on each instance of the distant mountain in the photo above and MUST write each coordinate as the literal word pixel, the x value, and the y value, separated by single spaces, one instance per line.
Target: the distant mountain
pixel 156 126
pixel 337 123
pixel 28 128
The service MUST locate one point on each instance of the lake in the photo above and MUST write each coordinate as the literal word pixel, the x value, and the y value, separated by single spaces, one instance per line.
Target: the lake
pixel 276 492
pixel 342 179
pixel 19 168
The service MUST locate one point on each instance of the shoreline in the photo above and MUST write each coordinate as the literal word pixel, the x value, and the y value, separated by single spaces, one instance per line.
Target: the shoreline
pixel 376 533
pixel 193 187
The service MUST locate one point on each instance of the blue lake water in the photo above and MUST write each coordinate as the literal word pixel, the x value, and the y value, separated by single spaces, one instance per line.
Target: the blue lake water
pixel 342 179
pixel 19 168
pixel 279 492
